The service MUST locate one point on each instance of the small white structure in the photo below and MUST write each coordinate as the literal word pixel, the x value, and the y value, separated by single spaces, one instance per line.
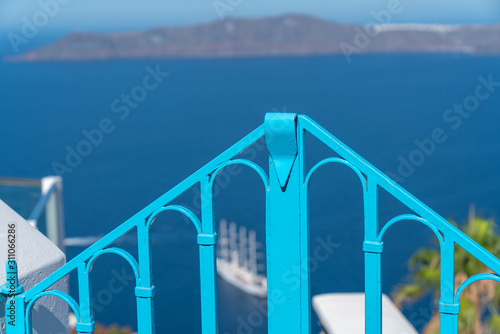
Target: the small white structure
pixel 36 257
pixel 344 313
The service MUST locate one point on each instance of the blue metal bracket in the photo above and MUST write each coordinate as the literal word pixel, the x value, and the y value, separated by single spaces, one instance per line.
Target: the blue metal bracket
pixel 144 292
pixel 373 247
pixel 85 328
pixel 449 308
pixel 281 141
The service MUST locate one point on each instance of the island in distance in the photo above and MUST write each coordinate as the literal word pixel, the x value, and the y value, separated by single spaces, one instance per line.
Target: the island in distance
pixel 289 35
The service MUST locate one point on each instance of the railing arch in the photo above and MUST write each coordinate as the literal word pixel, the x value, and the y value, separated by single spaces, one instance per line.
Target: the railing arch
pixel 188 213
pixel 473 279
pixel 57 293
pixel 244 162
pixel 335 160
pixel 120 252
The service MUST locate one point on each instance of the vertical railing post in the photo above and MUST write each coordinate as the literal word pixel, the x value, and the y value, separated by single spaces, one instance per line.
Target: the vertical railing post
pixel 287 248
pixel 208 272
pixel 447 307
pixel 14 304
pixel 144 292
pixel 85 324
pixel 373 250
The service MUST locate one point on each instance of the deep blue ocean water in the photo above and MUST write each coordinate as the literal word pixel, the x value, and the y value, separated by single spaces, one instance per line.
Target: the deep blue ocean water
pixel 377 105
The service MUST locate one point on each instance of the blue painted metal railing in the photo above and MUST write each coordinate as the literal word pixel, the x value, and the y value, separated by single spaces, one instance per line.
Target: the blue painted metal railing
pixel 287 239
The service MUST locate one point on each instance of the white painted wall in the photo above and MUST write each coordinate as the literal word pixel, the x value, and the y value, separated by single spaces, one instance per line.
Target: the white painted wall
pixel 37 257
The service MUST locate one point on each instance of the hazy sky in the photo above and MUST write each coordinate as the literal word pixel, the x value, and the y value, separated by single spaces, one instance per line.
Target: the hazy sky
pixel 128 14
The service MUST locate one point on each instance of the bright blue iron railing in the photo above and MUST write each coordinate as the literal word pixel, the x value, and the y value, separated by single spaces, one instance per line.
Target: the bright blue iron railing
pixel 287 239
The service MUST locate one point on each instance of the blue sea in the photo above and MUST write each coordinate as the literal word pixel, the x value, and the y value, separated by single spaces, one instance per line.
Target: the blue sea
pixel 430 121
